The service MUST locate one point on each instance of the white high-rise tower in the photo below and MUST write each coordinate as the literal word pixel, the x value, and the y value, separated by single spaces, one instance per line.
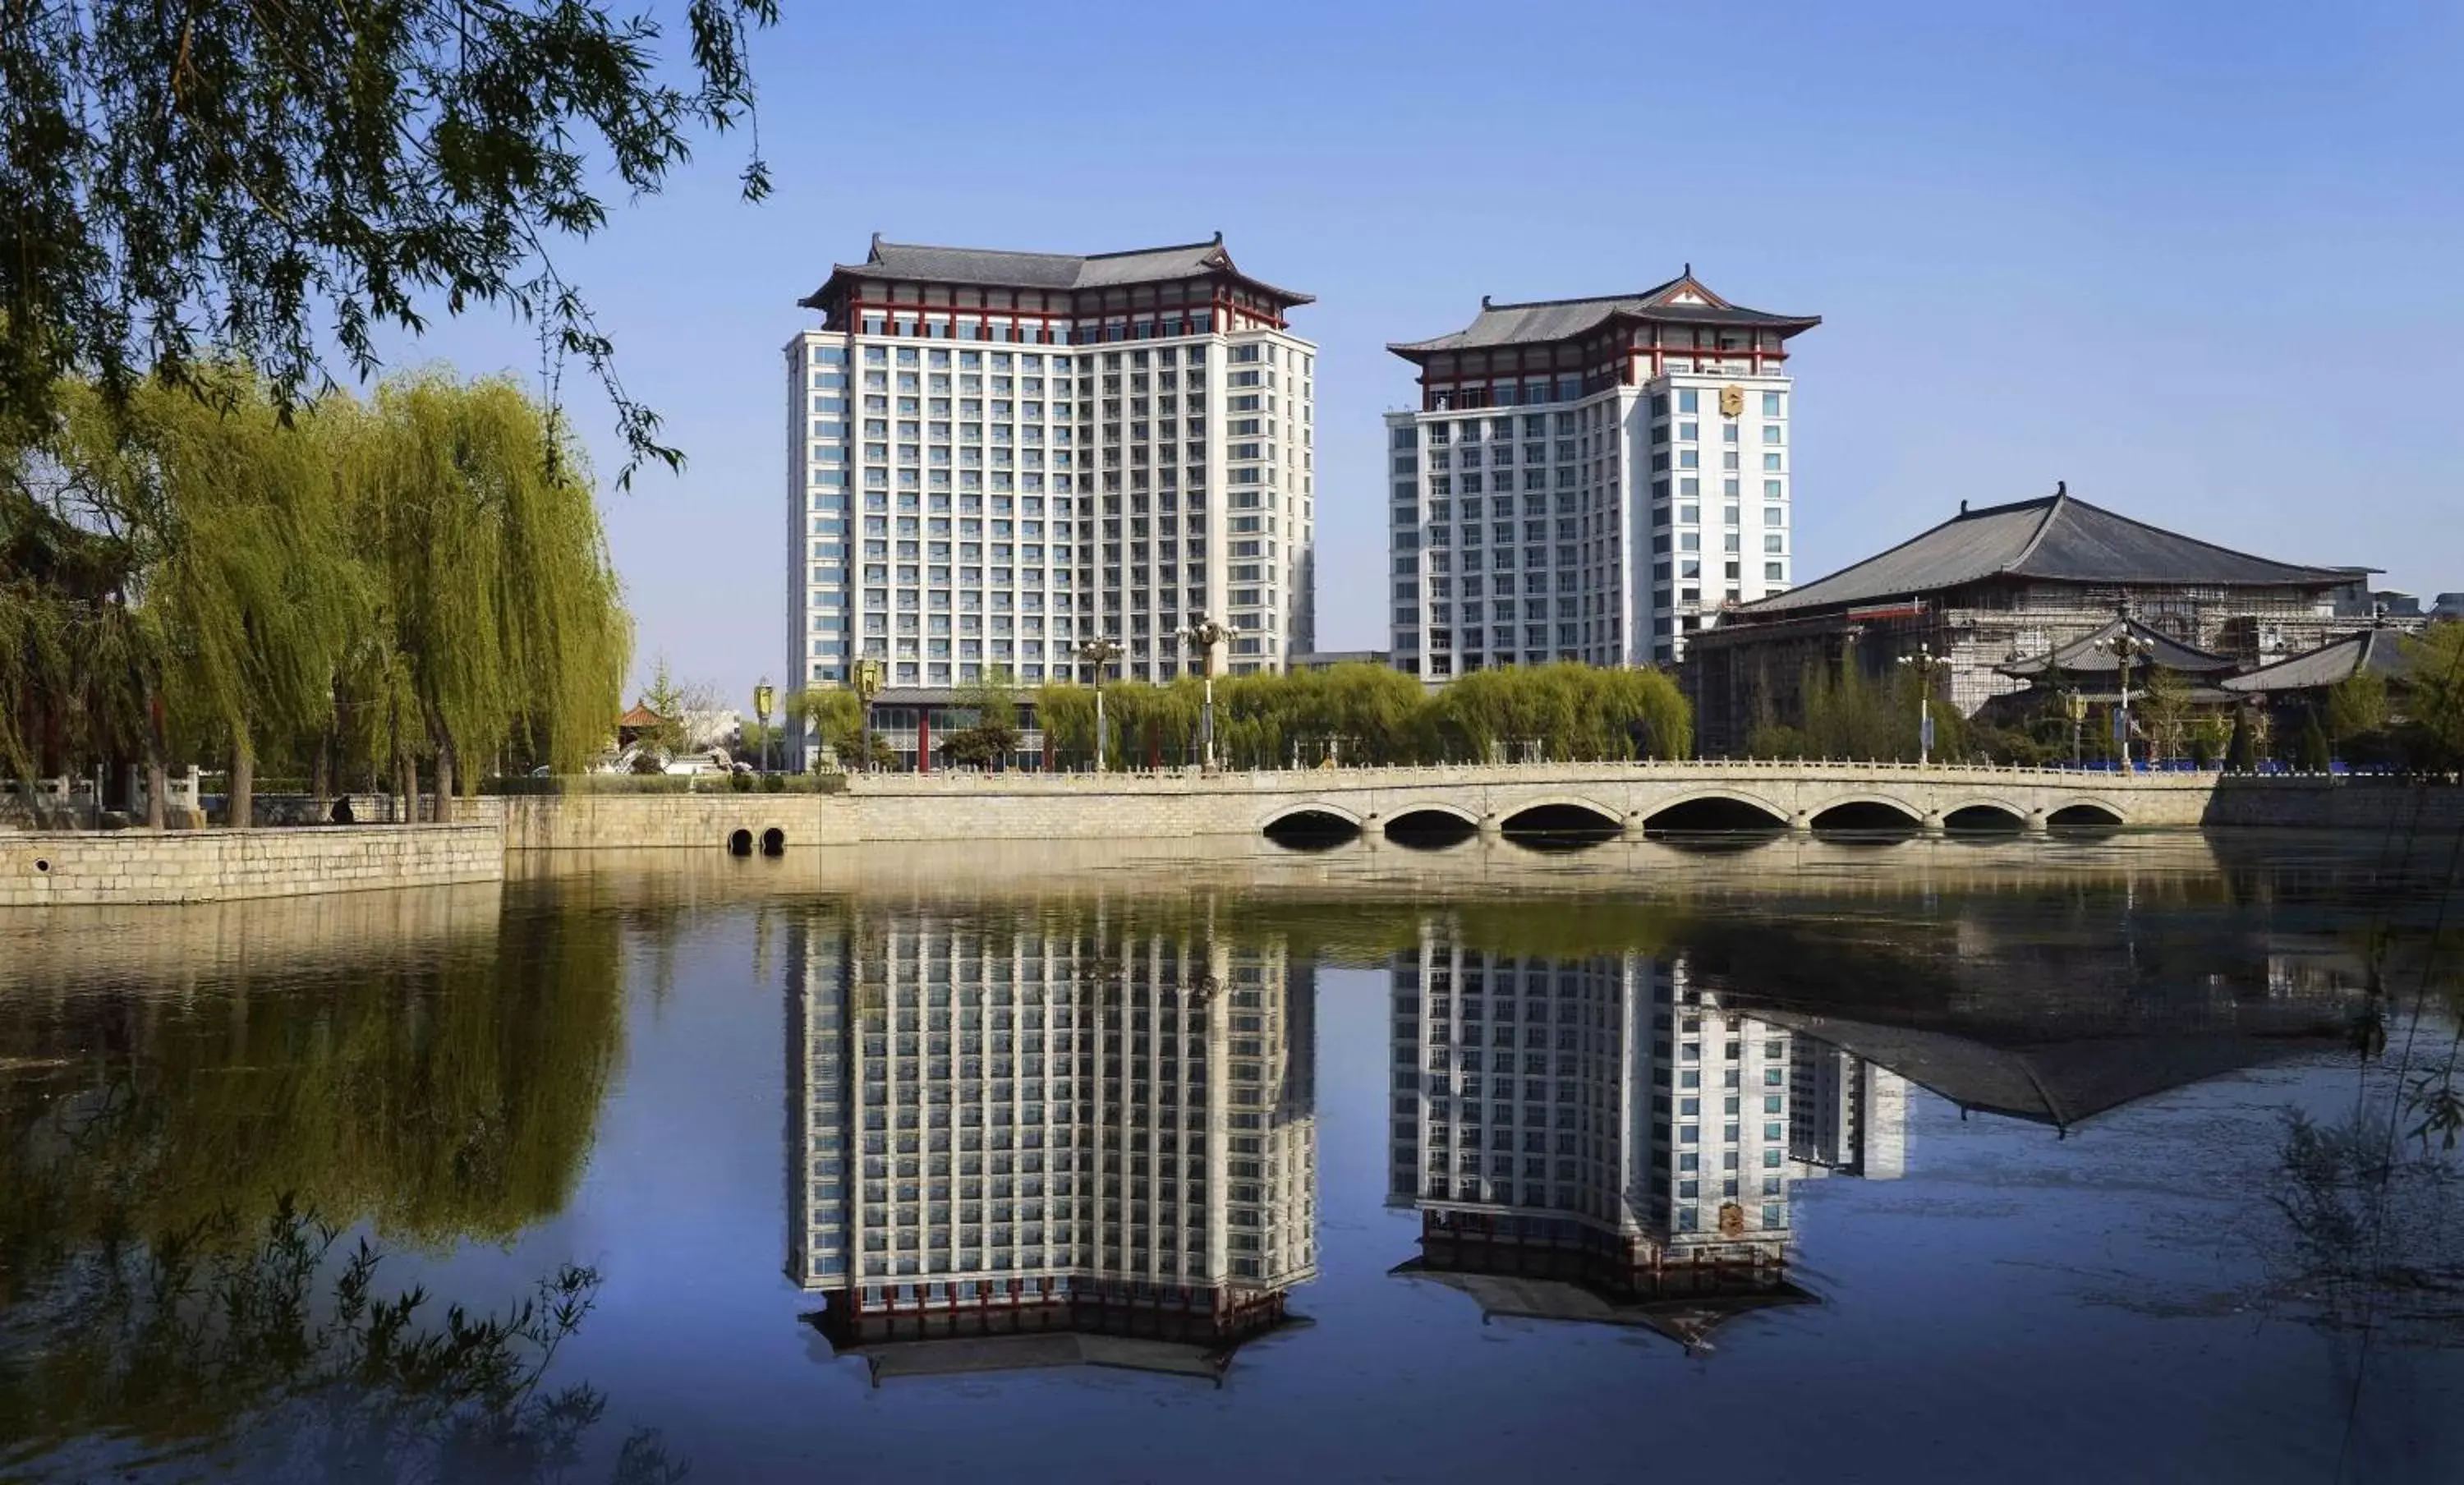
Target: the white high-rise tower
pixel 1590 479
pixel 996 456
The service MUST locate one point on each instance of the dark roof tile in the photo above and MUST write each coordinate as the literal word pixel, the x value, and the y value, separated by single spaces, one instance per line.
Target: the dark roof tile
pixel 2056 537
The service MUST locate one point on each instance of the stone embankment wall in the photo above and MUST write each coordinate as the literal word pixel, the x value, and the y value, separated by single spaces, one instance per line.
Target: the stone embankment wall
pixel 61 868
pixel 2315 802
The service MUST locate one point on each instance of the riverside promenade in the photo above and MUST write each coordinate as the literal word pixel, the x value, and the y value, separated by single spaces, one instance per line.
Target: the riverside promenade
pixel 1597 800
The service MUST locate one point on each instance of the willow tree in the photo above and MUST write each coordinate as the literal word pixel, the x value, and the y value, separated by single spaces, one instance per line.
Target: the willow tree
pixel 499 614
pixel 249 594
pixel 76 675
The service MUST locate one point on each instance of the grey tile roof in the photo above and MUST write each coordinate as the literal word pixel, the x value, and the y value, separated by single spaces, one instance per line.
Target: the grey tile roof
pixel 2056 537
pixel 2381 652
pixel 1556 319
pixel 1066 270
pixel 2084 657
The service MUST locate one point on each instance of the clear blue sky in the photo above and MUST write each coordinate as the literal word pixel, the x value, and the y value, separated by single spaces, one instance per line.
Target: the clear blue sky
pixel 2201 260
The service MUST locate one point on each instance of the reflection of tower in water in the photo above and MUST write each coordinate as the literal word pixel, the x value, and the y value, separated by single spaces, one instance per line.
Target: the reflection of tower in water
pixel 1022 1147
pixel 1590 1139
pixel 1847 1117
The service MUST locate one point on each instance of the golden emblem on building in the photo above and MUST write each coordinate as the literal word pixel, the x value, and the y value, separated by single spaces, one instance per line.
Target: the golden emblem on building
pixel 1733 1216
pixel 1732 401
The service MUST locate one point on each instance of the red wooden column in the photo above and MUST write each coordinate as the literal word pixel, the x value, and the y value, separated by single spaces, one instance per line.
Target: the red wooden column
pixel 923 739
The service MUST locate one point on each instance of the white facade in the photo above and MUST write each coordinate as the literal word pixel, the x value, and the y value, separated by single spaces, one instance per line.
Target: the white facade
pixel 1590 480
pixel 1046 1114
pixel 995 457
pixel 1601 1097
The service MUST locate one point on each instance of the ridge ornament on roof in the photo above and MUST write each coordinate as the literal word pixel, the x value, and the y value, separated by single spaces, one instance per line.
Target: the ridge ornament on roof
pixel 1684 300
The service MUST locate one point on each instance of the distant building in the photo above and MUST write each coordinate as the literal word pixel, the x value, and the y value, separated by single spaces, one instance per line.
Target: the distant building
pixel 997 456
pixel 1328 659
pixel 1586 479
pixel 1023 1149
pixel 2448 606
pixel 1994 588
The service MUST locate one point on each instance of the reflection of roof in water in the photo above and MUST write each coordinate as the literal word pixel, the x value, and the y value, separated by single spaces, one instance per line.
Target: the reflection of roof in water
pixel 959 1355
pixel 1687 1320
pixel 2052 1082
pixel 1067 1338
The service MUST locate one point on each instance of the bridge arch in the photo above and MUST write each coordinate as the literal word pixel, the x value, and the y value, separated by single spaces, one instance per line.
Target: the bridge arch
pixel 1983 817
pixel 1312 824
pixel 1714 810
pixel 1429 826
pixel 2087 814
pixel 1867 814
pixel 1561 817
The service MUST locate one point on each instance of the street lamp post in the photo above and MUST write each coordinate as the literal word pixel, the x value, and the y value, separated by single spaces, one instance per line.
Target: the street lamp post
pixel 1099 653
pixel 762 697
pixel 1925 662
pixel 868 685
pixel 1203 635
pixel 2123 646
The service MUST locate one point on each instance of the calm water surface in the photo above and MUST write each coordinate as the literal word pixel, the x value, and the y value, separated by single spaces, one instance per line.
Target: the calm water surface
pixel 2114 1160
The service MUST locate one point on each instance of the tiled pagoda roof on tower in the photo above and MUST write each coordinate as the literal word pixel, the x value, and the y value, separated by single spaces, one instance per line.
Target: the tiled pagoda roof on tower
pixel 1681 301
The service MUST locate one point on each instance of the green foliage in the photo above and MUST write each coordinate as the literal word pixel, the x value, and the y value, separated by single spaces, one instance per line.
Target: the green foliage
pixel 2435 693
pixel 260 177
pixel 1849 714
pixel 2356 706
pixel 988 740
pixel 423 575
pixel 2311 751
pixel 663 783
pixel 1372 715
pixel 503 606
pixel 1772 740
pixel 836 716
pixel 2163 712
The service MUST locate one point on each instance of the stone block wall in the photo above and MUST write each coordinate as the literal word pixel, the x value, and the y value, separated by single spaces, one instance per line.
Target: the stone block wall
pixel 55 869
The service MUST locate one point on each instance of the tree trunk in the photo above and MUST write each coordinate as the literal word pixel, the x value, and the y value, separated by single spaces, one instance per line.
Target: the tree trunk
pixel 443 813
pixel 240 801
pixel 406 789
pixel 157 782
pixel 321 774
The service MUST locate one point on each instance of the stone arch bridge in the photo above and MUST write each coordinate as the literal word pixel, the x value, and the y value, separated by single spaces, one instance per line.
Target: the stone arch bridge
pixel 1630 799
pixel 1597 799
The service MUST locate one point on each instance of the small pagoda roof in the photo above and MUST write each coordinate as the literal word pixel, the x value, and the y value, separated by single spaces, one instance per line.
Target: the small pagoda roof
pixel 2088 656
pixel 1063 272
pixel 641 716
pixel 2374 651
pixel 2056 537
pixel 1681 301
